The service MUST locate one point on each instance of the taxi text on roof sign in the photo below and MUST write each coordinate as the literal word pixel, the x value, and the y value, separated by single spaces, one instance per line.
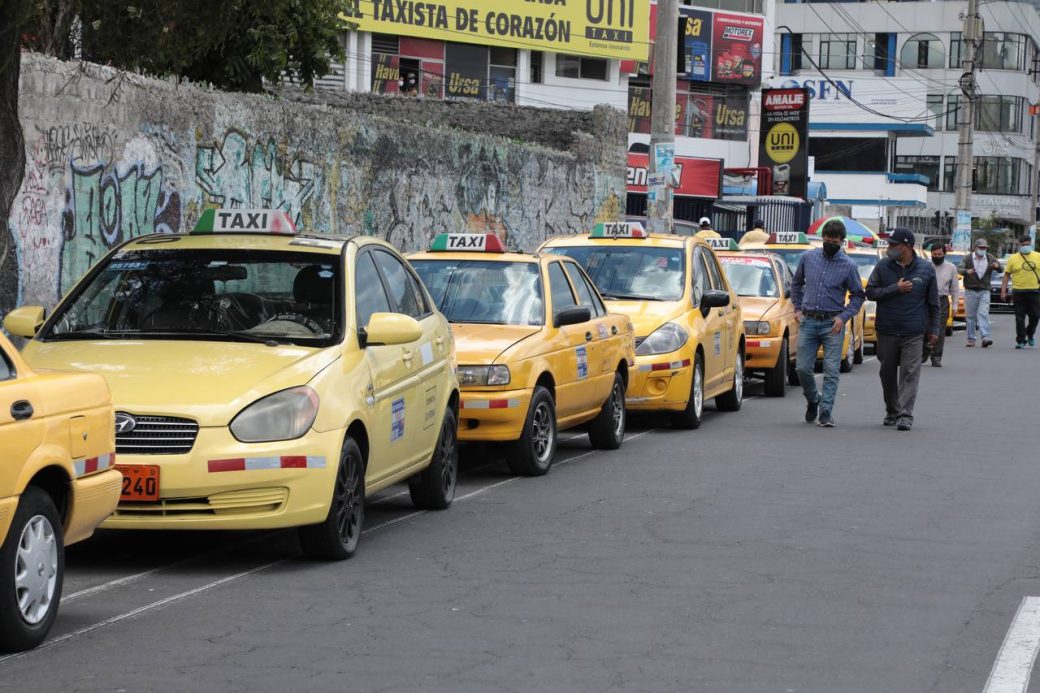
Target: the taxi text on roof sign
pixel 618 229
pixel 722 243
pixel 788 237
pixel 468 242
pixel 273 221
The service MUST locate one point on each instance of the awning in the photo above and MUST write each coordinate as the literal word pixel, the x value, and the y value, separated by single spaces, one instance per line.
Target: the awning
pixel 697 177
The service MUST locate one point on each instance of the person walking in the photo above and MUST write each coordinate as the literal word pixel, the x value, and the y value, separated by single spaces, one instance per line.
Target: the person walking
pixel 755 235
pixel 1023 269
pixel 824 279
pixel 706 231
pixel 907 296
pixel 977 270
pixel 949 294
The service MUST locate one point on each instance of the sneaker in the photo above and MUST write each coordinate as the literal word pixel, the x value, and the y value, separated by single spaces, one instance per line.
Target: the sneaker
pixel 1032 341
pixel 812 410
pixel 889 421
pixel 903 425
pixel 936 363
pixel 1020 345
pixel 986 343
pixel 971 343
pixel 826 421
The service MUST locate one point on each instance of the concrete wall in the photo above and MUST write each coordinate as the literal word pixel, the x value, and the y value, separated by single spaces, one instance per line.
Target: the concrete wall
pixel 112 156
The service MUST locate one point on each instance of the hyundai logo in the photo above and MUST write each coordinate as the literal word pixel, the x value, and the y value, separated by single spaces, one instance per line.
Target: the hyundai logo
pixel 125 423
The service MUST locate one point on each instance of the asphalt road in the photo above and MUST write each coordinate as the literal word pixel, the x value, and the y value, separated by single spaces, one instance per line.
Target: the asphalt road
pixel 756 554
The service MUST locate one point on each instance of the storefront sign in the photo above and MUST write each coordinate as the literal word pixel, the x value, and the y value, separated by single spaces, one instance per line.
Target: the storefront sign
pixel 721 47
pixel 605 28
pixel 784 141
pixel 465 71
pixel 696 177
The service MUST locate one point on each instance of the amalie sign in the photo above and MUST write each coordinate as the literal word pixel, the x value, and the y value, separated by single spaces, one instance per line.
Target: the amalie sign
pixel 784 140
pixel 605 28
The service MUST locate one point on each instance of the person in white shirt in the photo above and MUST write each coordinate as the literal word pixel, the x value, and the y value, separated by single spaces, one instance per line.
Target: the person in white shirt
pixel 978 269
pixel 949 294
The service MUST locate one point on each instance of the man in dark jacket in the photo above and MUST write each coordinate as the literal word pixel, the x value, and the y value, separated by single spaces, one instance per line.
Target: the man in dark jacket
pixel 907 296
pixel 977 270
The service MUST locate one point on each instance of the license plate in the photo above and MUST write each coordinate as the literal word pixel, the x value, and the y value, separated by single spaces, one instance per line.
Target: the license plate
pixel 140 482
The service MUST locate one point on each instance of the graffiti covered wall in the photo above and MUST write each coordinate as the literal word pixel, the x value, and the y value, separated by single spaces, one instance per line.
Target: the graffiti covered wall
pixel 111 159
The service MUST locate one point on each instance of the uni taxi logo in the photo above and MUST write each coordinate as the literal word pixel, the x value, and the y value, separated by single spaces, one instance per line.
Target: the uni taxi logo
pixel 782 142
pixel 610 20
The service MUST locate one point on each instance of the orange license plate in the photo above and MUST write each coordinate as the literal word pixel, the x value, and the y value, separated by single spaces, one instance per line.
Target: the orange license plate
pixel 140 482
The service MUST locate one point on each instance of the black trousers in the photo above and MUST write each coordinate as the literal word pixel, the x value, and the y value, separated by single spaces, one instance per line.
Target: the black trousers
pixel 936 352
pixel 1027 305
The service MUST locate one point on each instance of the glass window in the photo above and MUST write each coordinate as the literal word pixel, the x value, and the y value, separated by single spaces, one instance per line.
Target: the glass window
pixel 701 282
pixel 922 52
pixel 368 288
pixel 924 165
pixel 537 60
pixel 577 67
pixel 998 175
pixel 955 49
pixel 949 173
pixel 479 291
pixel 935 108
pixel 585 296
pixel 838 51
pixel 953 107
pixel 6 368
pixel 626 272
pixel 502 82
pixel 1003 51
pixel 750 276
pixel 714 273
pixel 997 113
pixel 404 293
pixel 562 297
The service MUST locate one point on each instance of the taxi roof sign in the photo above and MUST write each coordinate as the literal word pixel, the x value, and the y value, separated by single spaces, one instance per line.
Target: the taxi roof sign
pixel 618 229
pixel 722 243
pixel 788 238
pixel 467 242
pixel 271 221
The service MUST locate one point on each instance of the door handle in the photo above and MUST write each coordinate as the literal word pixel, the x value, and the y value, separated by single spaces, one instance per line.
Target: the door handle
pixel 406 354
pixel 588 336
pixel 613 329
pixel 21 410
pixel 722 312
pixel 439 341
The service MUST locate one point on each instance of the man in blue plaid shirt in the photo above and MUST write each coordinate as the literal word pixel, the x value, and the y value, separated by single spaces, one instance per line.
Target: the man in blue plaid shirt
pixel 827 292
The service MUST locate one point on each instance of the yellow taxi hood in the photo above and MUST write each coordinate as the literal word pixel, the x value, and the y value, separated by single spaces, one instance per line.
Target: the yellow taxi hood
pixel 480 345
pixel 647 316
pixel 756 307
pixel 207 381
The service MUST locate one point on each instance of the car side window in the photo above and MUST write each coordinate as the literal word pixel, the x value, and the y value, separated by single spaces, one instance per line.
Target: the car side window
pixel 405 295
pixel 586 296
pixel 6 368
pixel 368 290
pixel 701 281
pixel 562 298
pixel 714 273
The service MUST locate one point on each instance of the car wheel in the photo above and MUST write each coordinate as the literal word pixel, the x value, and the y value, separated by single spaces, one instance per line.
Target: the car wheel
pixel 690 418
pixel 607 430
pixel 857 356
pixel 337 537
pixel 776 377
pixel 33 560
pixel 732 400
pixel 533 454
pixel 949 331
pixel 434 487
pixel 792 374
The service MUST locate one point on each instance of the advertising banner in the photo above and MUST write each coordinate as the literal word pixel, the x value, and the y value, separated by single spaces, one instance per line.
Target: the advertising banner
pixel 784 140
pixel 736 46
pixel 465 71
pixel 730 116
pixel 695 41
pixel 697 177
pixel 386 74
pixel 604 28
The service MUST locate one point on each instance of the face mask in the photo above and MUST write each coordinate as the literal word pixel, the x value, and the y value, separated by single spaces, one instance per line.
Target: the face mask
pixel 938 260
pixel 830 249
pixel 1025 249
pixel 894 252
pixel 981 252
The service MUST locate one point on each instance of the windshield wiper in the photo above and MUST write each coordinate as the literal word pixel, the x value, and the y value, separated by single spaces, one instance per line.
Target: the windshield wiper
pixel 245 336
pixel 632 297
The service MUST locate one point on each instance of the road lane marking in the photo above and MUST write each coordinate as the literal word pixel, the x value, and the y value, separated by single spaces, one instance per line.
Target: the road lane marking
pixel 1014 663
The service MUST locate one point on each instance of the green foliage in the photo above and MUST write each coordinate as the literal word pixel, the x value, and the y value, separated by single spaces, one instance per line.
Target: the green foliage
pixel 999 238
pixel 233 44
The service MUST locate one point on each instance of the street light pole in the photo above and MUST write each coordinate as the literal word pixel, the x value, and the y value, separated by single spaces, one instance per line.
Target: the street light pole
pixel 965 127
pixel 662 119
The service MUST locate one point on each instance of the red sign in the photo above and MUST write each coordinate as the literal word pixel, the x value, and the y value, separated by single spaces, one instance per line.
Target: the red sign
pixel 783 99
pixel 737 48
pixel 697 177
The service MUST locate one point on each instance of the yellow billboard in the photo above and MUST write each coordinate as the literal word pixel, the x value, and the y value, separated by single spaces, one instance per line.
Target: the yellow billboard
pixel 601 28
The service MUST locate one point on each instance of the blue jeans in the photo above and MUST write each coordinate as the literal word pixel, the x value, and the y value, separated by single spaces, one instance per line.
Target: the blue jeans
pixel 976 312
pixel 812 334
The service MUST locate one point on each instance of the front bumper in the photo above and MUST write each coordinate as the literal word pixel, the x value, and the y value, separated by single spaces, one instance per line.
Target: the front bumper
pixel 762 352
pixel 225 484
pixel 661 381
pixel 493 415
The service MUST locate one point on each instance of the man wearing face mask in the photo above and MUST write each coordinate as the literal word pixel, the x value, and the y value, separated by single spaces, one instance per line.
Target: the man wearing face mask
pixel 949 294
pixel 825 277
pixel 978 269
pixel 907 296
pixel 1023 269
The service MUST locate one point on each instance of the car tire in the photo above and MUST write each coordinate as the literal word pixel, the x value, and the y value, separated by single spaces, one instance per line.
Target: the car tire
pixel 607 430
pixel 776 377
pixel 533 453
pixel 29 599
pixel 845 366
pixel 792 374
pixel 338 536
pixel 949 331
pixel 434 487
pixel 857 356
pixel 732 400
pixel 691 417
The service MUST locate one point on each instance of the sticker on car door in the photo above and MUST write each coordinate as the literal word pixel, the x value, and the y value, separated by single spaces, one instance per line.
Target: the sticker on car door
pixel 583 363
pixel 397 419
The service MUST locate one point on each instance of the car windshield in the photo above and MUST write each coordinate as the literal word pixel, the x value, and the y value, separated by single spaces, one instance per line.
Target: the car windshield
pixel 480 291
pixel 792 256
pixel 864 263
pixel 222 295
pixel 627 272
pixel 750 276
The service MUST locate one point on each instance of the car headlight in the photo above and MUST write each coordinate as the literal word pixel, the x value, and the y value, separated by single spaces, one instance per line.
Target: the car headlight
pixel 754 327
pixel 666 338
pixel 483 375
pixel 284 415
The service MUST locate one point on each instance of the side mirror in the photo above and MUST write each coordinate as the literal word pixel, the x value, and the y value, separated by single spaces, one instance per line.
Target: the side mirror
pixel 713 299
pixel 385 329
pixel 787 292
pixel 25 321
pixel 572 316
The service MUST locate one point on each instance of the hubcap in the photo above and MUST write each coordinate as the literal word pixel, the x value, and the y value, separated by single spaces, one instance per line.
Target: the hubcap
pixel 449 459
pixel 36 569
pixel 349 504
pixel 542 429
pixel 617 403
pixel 698 391
pixel 738 378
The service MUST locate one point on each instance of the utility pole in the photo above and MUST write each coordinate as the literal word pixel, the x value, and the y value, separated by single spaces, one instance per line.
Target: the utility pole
pixel 662 119
pixel 965 127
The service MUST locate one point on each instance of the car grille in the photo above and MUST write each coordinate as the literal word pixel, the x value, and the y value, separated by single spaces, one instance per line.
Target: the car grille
pixel 157 435
pixel 229 503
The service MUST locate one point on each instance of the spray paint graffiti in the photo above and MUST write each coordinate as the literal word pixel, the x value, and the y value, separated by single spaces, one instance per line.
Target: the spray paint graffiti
pixel 235 174
pixel 61 144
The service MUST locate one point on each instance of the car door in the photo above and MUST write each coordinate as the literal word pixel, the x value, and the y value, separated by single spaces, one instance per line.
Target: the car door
pixel 731 314
pixel 784 272
pixel 570 352
pixel 601 375
pixel 713 322
pixel 22 424
pixel 394 380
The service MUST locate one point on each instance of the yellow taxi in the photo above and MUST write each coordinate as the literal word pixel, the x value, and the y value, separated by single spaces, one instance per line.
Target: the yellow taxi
pixel 57 483
pixel 762 282
pixel 866 259
pixel 262 378
pixel 688 324
pixel 537 350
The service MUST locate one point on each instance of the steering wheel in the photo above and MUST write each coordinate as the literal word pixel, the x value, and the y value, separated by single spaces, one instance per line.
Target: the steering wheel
pixel 298 318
